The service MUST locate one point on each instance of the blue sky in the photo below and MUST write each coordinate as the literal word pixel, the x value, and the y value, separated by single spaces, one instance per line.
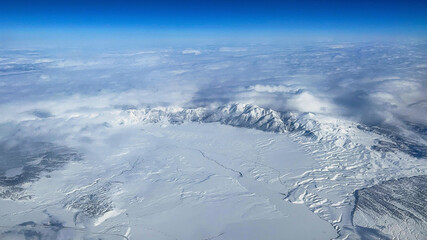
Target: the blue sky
pixel 366 16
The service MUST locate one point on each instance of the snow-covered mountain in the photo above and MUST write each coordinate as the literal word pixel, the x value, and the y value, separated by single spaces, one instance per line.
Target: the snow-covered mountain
pixel 129 169
pixel 350 156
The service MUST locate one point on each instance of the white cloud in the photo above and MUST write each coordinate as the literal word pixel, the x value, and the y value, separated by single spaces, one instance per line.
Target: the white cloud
pixel 191 51
pixel 306 102
pixel 273 88
pixel 44 60
pixel 233 49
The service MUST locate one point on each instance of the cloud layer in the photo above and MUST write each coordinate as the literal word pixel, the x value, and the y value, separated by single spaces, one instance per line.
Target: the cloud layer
pixel 375 83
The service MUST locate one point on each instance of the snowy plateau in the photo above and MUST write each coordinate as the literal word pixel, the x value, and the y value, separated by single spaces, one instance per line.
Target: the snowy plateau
pixel 235 172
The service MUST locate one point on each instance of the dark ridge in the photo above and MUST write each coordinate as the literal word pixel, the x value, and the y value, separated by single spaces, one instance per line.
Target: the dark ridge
pixel 409 193
pixel 396 142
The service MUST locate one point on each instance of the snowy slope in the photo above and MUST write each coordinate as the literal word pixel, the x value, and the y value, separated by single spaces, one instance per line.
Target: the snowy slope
pixel 398 207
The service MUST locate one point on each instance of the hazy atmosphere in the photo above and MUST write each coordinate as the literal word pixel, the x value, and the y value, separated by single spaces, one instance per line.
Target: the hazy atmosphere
pixel 213 120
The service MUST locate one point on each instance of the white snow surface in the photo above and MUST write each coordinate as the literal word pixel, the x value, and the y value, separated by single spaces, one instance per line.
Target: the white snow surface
pixel 175 173
pixel 189 181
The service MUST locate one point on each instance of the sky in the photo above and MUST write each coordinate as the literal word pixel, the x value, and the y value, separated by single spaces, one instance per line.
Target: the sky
pixel 214 18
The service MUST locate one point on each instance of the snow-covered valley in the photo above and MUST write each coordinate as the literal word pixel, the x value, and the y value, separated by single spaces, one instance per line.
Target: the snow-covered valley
pixel 238 171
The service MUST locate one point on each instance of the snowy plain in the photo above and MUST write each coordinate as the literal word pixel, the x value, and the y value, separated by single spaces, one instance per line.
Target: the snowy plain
pixel 191 181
